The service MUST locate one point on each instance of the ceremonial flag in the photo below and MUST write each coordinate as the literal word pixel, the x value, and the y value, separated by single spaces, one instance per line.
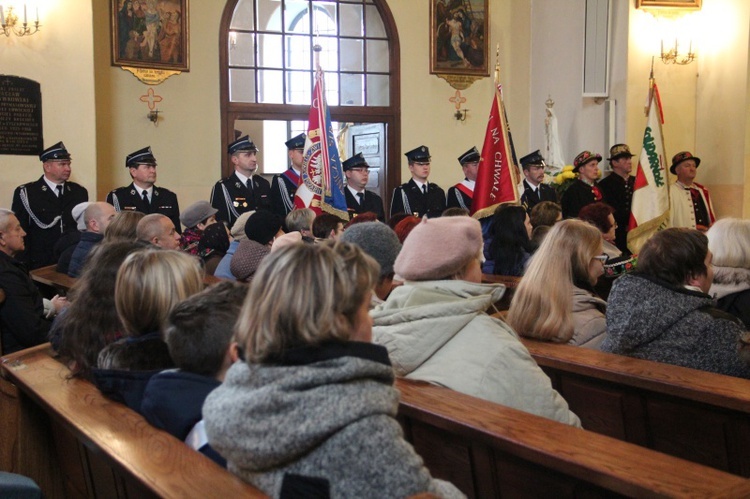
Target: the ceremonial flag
pixel 650 207
pixel 497 175
pixel 322 185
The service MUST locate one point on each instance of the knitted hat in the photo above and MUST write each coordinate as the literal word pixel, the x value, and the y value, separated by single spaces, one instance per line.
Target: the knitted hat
pixel 247 258
pixel 196 213
pixel 77 213
pixel 214 240
pixel 262 226
pixel 377 240
pixel 238 229
pixel 438 248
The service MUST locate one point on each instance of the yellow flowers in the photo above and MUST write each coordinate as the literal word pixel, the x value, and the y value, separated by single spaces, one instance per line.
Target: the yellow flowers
pixel 565 174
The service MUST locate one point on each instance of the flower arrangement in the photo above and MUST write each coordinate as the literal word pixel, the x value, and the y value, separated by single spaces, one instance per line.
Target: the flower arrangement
pixel 563 179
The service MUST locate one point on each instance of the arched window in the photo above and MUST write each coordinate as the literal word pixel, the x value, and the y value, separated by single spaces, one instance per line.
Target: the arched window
pixel 267 70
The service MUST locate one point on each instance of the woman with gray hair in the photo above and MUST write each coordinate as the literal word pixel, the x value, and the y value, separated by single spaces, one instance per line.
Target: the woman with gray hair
pixel 729 241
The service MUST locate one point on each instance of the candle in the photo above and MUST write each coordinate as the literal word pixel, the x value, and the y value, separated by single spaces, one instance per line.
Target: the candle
pixel 37 14
pixel 2 16
pixel 24 13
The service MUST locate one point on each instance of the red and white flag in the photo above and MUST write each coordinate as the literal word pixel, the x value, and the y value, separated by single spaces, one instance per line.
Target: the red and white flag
pixel 497 176
pixel 650 207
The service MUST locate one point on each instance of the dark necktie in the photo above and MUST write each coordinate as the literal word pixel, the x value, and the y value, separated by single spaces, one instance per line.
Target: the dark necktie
pixel 250 186
pixel 145 197
pixel 59 189
pixel 361 198
pixel 424 188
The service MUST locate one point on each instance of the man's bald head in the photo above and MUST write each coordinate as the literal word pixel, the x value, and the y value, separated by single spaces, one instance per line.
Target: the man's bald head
pixel 97 216
pixel 158 230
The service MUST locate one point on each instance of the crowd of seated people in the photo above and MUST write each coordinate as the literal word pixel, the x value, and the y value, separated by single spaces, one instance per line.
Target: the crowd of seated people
pixel 341 308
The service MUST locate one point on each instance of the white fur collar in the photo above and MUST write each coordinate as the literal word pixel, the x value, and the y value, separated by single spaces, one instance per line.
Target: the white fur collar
pixel 728 280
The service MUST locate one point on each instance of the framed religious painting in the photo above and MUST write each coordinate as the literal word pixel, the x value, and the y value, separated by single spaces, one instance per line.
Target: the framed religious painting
pixel 150 34
pixel 682 4
pixel 459 39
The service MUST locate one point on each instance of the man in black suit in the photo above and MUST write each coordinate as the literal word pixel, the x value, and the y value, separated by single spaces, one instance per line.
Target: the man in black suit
pixel 243 190
pixel 418 196
pixel 358 199
pixel 142 195
pixel 533 189
pixel 284 186
pixel 44 207
pixel 583 190
pixel 617 190
pixel 461 194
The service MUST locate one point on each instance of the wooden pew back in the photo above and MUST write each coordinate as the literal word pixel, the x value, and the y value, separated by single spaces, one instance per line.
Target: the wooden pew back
pixel 105 449
pixel 696 415
pixel 488 450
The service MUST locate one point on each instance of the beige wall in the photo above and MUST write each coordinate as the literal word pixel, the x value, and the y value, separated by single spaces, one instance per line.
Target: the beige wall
pixel 704 102
pixel 60 58
pixel 95 108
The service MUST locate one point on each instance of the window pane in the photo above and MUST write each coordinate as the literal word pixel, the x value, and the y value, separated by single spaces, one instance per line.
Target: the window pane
pixel 299 87
pixel 298 52
pixel 329 60
pixel 373 23
pixel 269 51
pixel 351 55
pixel 377 90
pixel 241 85
pixel 243 15
pixel 352 90
pixel 377 56
pixel 269 15
pixel 332 88
pixel 241 49
pixel 351 22
pixel 275 157
pixel 324 18
pixel 271 86
pixel 297 16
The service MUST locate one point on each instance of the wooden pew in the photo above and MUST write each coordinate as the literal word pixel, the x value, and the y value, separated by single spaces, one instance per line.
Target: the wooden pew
pixel 695 415
pixel 62 283
pixel 488 450
pixel 103 449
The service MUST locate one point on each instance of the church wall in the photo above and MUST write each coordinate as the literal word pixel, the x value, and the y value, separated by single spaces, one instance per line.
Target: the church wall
pixel 60 58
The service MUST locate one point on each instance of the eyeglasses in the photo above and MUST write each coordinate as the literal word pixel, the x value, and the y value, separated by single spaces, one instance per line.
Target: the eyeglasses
pixel 602 258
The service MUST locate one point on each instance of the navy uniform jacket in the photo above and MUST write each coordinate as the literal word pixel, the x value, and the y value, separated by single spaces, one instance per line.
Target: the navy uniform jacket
pixel 529 198
pixel 408 198
pixel 163 201
pixel 458 198
pixel 21 320
pixel 37 209
pixel 283 188
pixel 618 193
pixel 578 195
pixel 232 198
pixel 372 202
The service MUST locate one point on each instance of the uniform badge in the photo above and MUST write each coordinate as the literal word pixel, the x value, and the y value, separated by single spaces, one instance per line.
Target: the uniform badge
pixel 236 204
pixel 244 205
pixel 156 193
pixel 237 185
pixel 44 188
pixel 132 192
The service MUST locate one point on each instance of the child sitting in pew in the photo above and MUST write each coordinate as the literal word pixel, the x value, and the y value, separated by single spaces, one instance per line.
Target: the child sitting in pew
pixel 199 337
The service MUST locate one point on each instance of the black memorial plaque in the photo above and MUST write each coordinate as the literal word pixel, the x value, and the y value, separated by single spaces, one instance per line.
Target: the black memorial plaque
pixel 20 116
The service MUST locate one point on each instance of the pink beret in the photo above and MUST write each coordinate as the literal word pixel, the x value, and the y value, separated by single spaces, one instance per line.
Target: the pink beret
pixel 438 248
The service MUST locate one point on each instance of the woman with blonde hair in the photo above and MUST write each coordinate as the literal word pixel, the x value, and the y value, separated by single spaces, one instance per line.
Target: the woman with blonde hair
pixel 729 241
pixel 150 283
pixel 123 226
pixel 314 397
pixel 555 300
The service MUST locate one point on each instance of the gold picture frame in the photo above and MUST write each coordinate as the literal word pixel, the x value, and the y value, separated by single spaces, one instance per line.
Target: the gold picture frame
pixel 150 34
pixel 459 37
pixel 661 4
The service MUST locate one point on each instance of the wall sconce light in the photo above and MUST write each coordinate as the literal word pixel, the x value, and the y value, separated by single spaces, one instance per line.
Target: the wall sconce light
pixel 153 117
pixel 460 115
pixel 10 23
pixel 673 56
